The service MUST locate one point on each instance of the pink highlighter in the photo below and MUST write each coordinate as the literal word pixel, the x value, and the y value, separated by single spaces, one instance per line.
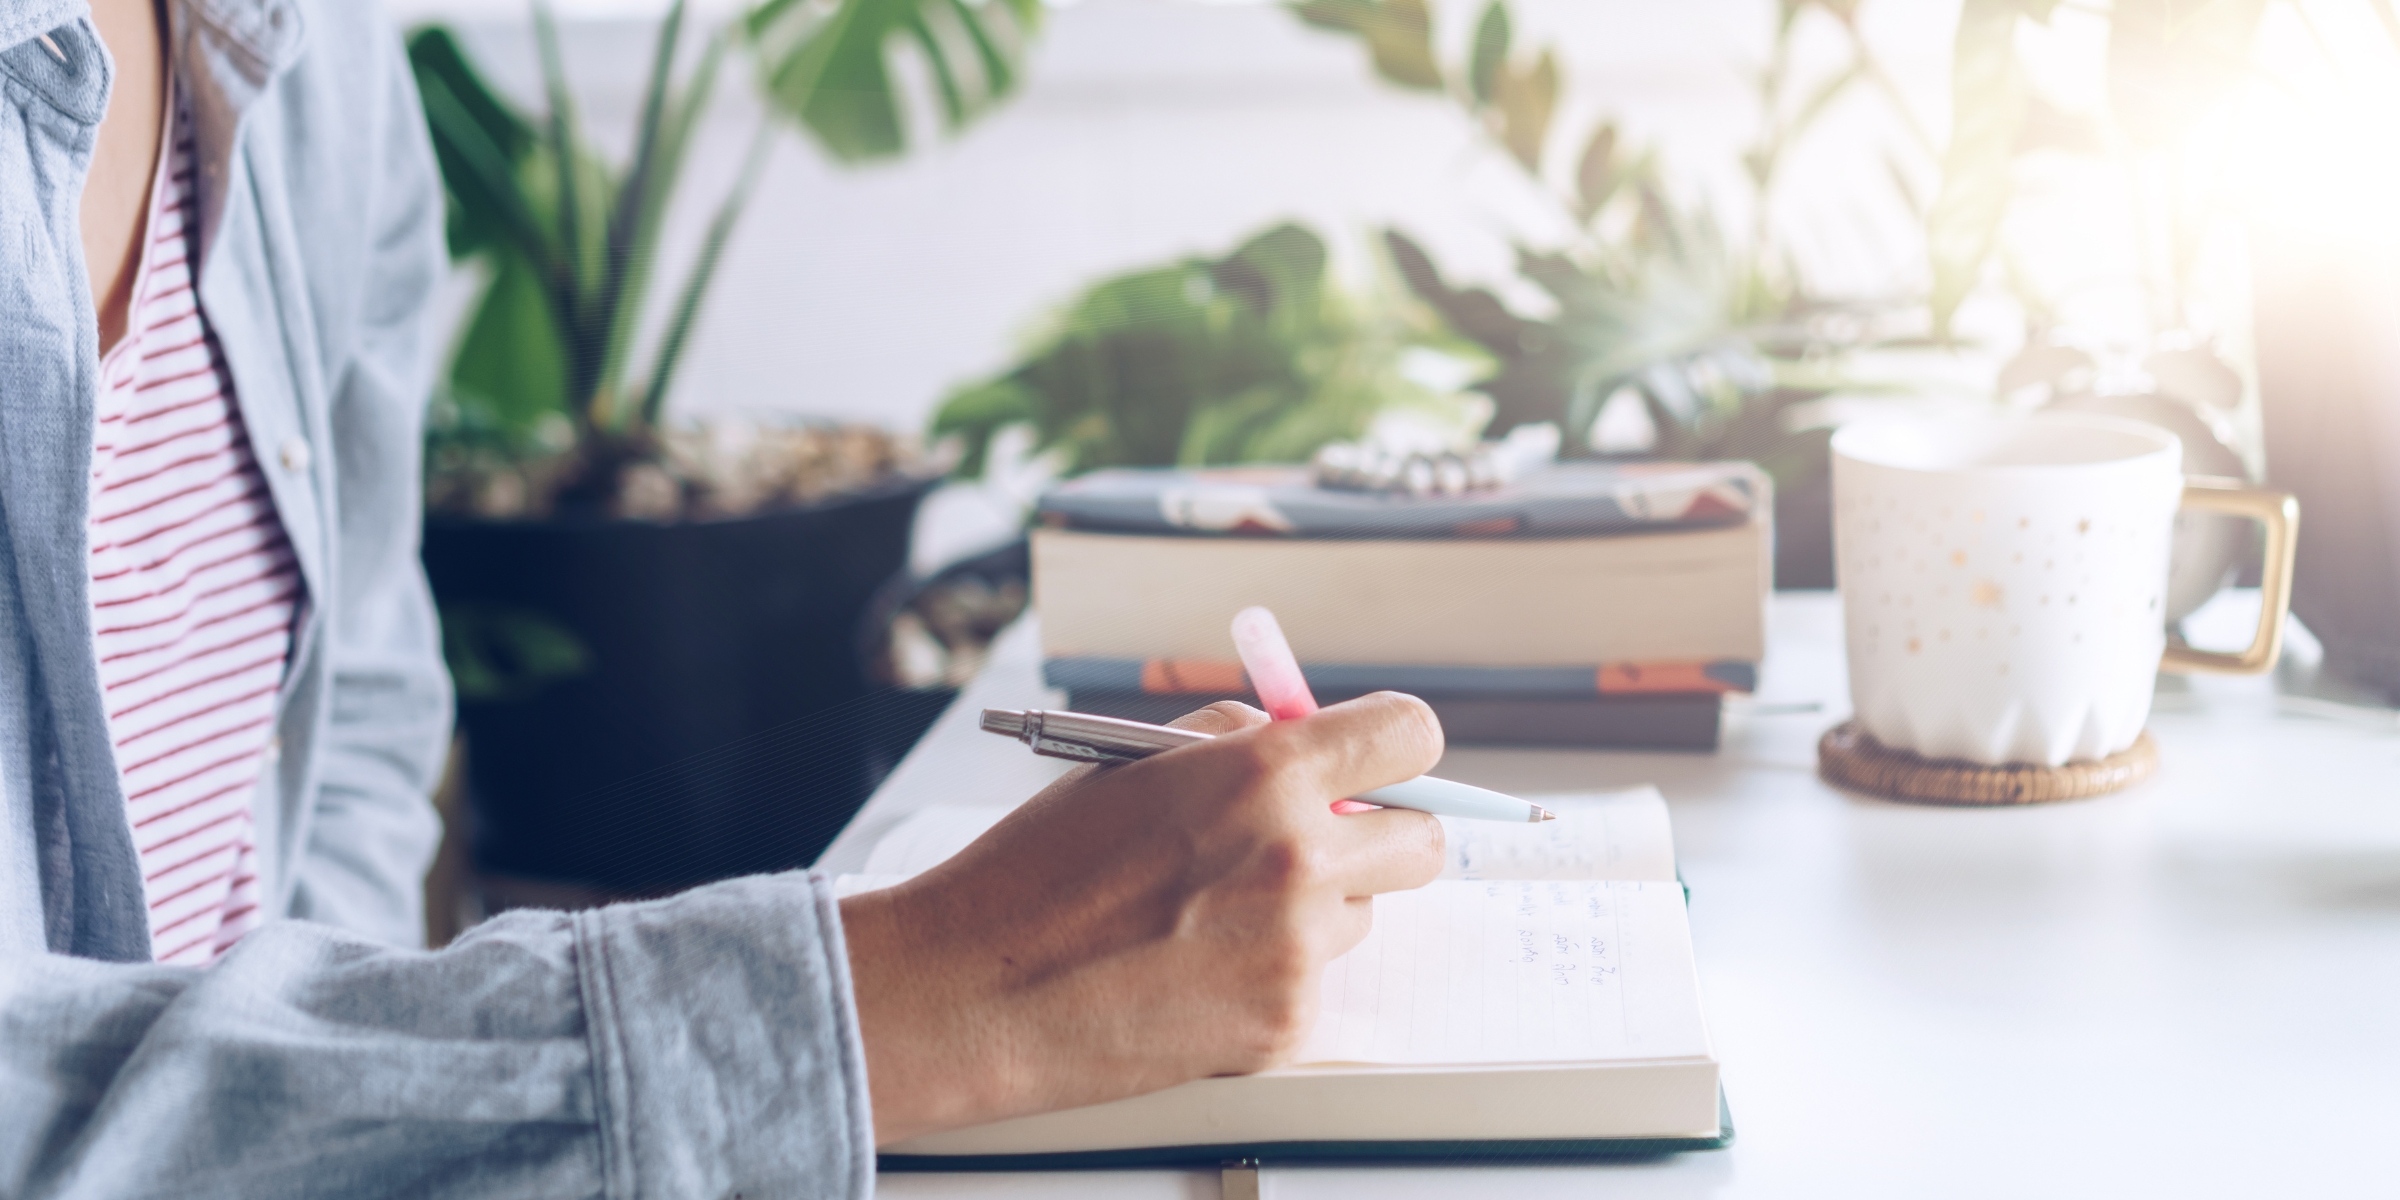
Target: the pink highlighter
pixel 1276 676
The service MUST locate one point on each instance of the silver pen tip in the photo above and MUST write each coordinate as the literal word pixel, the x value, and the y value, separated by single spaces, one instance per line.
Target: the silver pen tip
pixel 1008 722
pixel 1539 813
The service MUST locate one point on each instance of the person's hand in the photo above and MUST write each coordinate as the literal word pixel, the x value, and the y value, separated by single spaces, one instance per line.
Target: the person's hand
pixel 1136 926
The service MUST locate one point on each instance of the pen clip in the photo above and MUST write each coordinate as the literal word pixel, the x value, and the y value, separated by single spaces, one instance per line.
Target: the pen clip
pixel 1054 748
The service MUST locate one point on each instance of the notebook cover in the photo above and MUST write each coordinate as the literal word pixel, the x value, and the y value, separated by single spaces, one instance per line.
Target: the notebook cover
pixel 1273 1154
pixel 1567 500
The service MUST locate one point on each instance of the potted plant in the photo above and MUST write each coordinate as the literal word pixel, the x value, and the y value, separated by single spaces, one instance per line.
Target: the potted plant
pixel 1666 337
pixel 655 629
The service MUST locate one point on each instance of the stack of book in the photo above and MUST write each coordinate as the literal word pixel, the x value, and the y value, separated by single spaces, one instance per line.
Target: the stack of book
pixel 1584 605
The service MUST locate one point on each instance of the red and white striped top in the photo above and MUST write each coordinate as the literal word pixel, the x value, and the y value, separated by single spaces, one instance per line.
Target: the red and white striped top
pixel 193 592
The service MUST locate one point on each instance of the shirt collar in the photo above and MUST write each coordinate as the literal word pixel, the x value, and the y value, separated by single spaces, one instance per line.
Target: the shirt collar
pixel 23 20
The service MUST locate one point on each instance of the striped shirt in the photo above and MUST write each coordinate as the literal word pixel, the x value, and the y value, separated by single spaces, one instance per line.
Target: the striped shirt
pixel 194 590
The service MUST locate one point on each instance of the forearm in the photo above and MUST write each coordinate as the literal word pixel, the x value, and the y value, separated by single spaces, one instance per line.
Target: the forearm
pixel 928 1020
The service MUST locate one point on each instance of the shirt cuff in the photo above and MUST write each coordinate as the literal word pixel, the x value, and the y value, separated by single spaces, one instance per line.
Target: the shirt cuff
pixel 725 1043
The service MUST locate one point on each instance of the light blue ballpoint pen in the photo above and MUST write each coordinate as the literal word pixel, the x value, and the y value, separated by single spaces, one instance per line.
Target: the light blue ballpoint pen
pixel 1087 738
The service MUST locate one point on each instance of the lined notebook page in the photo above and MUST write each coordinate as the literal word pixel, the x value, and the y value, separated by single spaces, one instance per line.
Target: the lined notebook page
pixel 1598 835
pixel 1515 971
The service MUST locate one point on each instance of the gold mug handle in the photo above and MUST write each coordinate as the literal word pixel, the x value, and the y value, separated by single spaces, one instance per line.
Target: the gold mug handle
pixel 2280 513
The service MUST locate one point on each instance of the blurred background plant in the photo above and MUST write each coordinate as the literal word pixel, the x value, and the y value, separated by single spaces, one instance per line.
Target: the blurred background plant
pixel 604 621
pixel 1665 335
pixel 1660 332
pixel 1257 356
pixel 555 400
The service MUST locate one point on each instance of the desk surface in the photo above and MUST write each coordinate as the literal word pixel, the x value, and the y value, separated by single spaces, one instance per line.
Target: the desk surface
pixel 2189 989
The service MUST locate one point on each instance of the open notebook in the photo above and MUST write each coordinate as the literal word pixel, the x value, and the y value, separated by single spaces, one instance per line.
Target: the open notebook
pixel 1538 999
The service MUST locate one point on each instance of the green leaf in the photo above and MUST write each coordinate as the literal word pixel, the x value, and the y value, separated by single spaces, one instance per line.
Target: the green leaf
pixel 566 151
pixel 1222 431
pixel 975 414
pixel 636 210
pixel 1280 272
pixel 1491 52
pixel 1596 172
pixel 474 130
pixel 499 653
pixel 1525 99
pixel 695 287
pixel 998 58
pixel 945 77
pixel 1475 313
pixel 581 189
pixel 480 144
pixel 509 367
pixel 1988 104
pixel 1253 356
pixel 830 72
pixel 1398 33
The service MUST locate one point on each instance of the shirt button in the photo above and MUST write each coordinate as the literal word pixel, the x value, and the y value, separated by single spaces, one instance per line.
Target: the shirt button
pixel 293 454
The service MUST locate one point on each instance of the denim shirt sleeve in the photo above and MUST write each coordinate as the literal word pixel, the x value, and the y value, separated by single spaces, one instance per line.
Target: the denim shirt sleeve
pixel 703 1046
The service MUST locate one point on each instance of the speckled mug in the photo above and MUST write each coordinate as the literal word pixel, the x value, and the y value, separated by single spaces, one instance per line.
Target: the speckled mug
pixel 2003 580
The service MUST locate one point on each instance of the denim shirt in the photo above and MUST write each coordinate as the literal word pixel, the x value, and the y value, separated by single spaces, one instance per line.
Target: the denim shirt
pixel 703 1045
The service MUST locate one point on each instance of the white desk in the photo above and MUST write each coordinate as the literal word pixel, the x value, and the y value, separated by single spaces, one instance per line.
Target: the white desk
pixel 2190 989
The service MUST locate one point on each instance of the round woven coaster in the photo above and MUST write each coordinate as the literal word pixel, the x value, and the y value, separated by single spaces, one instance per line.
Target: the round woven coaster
pixel 1851 757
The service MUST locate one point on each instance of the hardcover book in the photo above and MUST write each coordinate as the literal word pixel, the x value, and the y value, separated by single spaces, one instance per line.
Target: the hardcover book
pixel 1647 721
pixel 1692 595
pixel 1566 500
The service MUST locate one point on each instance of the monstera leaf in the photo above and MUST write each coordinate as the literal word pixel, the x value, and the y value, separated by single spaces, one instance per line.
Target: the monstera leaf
pixel 828 66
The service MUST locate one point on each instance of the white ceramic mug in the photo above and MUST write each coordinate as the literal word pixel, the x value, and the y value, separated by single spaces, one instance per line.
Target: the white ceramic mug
pixel 2003 581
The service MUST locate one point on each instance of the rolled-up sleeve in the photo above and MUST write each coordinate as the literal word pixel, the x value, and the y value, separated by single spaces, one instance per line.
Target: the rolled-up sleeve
pixel 702 1045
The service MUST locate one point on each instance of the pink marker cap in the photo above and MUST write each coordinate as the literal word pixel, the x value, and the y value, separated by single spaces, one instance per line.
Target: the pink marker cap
pixel 1276 676
pixel 1282 689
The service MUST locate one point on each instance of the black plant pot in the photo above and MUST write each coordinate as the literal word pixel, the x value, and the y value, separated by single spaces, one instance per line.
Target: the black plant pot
pixel 718 722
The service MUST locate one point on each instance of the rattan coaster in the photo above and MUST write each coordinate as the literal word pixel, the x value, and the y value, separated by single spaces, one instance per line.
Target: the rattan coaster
pixel 1850 757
